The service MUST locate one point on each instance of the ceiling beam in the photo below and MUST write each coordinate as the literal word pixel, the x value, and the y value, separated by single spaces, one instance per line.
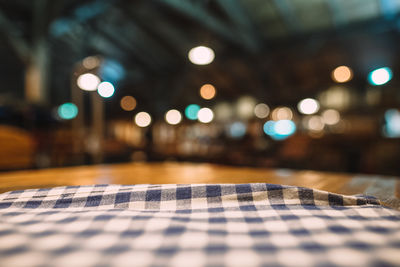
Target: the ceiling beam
pixel 81 14
pixel 14 36
pixel 242 22
pixel 122 49
pixel 337 14
pixel 371 27
pixel 198 13
pixel 161 28
pixel 288 14
pixel 142 40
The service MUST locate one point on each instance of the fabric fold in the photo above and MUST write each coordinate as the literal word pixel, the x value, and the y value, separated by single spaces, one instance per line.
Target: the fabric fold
pixel 175 197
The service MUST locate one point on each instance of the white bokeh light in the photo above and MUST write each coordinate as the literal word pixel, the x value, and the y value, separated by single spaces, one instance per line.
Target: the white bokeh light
pixel 245 107
pixel 284 127
pixel 330 116
pixel 105 89
pixel 261 110
pixel 143 119
pixel 173 117
pixel 315 123
pixel 308 106
pixel 201 55
pixel 88 82
pixel 205 115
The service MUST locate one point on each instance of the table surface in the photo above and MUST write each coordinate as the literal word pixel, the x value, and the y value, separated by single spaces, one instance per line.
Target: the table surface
pixel 387 189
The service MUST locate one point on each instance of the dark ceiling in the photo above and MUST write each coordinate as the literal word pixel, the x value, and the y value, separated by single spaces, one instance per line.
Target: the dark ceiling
pixel 276 50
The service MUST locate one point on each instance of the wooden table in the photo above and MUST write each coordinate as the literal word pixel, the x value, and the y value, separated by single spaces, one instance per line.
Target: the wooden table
pixel 387 189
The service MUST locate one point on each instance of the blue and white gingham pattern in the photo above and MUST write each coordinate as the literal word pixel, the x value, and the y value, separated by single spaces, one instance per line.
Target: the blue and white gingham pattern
pixel 195 225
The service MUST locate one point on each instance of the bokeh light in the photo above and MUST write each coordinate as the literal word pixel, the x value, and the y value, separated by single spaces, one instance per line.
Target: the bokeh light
pixel 207 91
pixel 237 130
pixel 279 130
pixel 105 89
pixel 191 111
pixel 261 110
pixel 342 74
pixel 91 62
pixel 128 103
pixel 223 111
pixel 282 113
pixel 337 97
pixel 205 115
pixel 201 55
pixel 269 127
pixel 245 107
pixel 391 128
pixel 285 127
pixel 330 117
pixel 380 76
pixel 111 70
pixel 315 123
pixel 67 111
pixel 143 119
pixel 173 117
pixel 88 82
pixel 308 106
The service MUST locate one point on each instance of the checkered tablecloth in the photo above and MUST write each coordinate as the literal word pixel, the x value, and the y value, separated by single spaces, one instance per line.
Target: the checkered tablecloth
pixel 195 225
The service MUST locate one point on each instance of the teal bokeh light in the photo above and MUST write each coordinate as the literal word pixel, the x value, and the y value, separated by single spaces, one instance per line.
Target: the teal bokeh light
pixel 269 128
pixel 191 111
pixel 279 130
pixel 67 111
pixel 380 76
pixel 391 128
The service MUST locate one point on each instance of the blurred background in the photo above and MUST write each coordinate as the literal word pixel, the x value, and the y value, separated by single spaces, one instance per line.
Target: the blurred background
pixel 269 83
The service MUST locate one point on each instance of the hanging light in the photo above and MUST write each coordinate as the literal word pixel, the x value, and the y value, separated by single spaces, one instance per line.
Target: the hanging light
pixel 308 106
pixel 67 111
pixel 173 117
pixel 207 91
pixel 342 74
pixel 380 76
pixel 201 55
pixel 88 82
pixel 128 103
pixel 205 115
pixel 143 119
pixel 261 110
pixel 105 89
pixel 282 113
pixel 191 111
pixel 330 116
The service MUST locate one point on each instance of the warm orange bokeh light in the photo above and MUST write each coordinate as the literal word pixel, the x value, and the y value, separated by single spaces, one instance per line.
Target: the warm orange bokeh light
pixel 128 103
pixel 207 91
pixel 342 74
pixel 282 113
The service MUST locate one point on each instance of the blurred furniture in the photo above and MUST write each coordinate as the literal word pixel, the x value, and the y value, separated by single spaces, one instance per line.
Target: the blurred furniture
pixel 17 148
pixel 387 189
